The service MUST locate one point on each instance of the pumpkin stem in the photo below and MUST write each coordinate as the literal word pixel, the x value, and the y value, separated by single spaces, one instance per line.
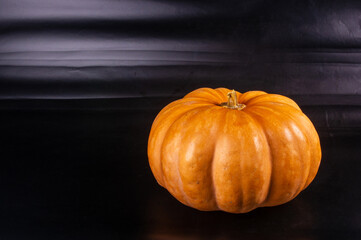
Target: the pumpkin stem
pixel 232 102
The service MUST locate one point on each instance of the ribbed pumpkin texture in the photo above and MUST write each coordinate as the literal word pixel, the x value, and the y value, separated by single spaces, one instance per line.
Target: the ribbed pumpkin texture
pixel 212 153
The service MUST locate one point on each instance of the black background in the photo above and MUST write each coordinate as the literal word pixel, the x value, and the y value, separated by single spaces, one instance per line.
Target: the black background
pixel 81 82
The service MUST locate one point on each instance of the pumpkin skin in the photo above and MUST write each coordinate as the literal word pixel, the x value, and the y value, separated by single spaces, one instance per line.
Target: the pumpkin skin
pixel 211 157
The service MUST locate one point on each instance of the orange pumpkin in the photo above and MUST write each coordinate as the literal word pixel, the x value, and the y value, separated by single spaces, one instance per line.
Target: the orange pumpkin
pixel 220 150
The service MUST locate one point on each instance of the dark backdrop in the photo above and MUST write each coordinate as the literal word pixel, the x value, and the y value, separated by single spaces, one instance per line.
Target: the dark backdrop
pixel 81 82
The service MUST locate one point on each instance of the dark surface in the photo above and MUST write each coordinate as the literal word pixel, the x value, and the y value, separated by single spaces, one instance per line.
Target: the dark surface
pixel 81 82
pixel 74 174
